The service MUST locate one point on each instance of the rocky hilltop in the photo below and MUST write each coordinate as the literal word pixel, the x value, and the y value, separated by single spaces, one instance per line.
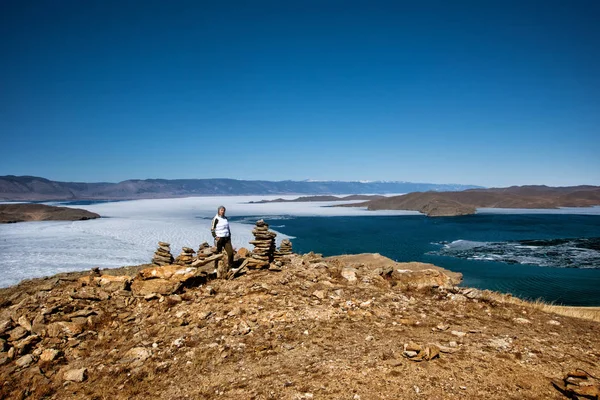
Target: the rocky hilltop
pixel 291 327
pixel 10 213
pixel 466 202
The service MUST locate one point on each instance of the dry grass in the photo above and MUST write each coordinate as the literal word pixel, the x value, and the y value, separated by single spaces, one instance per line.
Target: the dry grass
pixel 588 313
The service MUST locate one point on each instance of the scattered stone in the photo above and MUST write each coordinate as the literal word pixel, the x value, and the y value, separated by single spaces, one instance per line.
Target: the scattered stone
pixel 89 293
pixel 18 333
pixel 4 359
pixel 412 346
pixel 136 354
pixel 23 346
pixel 458 334
pixel 204 314
pixel 472 293
pixel 5 326
pixel 24 322
pixel 457 297
pixel 349 274
pixel 500 343
pixel 416 352
pixel 75 375
pixel 521 320
pixel 49 355
pixel 24 361
pixel 553 322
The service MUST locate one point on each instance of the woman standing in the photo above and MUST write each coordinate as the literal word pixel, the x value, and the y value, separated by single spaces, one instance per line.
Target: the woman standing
pixel 222 234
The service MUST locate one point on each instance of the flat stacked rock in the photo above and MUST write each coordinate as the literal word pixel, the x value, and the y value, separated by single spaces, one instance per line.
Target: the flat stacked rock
pixel 162 255
pixel 264 246
pixel 285 249
pixel 186 257
pixel 203 247
pixel 205 255
pixel 204 251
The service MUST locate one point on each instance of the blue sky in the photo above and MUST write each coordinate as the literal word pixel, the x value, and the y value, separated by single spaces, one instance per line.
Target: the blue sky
pixel 476 92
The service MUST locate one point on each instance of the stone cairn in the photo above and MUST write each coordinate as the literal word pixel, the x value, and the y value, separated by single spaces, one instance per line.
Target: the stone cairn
pixel 186 257
pixel 285 249
pixel 264 246
pixel 204 251
pixel 162 255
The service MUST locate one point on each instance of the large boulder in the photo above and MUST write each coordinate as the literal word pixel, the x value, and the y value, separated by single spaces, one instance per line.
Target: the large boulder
pixel 408 279
pixel 170 272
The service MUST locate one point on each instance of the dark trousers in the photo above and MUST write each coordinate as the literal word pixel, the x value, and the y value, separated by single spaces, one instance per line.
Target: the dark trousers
pixel 225 243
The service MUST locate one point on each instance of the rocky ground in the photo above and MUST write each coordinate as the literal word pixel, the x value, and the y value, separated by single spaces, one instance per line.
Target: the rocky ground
pixel 349 327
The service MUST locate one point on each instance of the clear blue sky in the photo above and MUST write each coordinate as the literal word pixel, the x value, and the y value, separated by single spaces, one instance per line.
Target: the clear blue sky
pixel 477 92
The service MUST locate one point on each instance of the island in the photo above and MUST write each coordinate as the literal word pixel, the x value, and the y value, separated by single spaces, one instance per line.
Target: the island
pixel 11 213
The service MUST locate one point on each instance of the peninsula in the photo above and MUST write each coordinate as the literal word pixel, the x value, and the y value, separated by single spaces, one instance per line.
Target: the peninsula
pixel 438 204
pixel 10 213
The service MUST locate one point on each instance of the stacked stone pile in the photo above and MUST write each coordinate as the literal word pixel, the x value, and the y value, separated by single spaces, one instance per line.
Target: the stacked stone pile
pixel 162 255
pixel 203 247
pixel 264 246
pixel 205 255
pixel 204 251
pixel 285 249
pixel 186 257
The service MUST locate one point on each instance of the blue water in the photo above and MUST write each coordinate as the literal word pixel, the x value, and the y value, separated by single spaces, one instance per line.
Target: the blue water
pixel 491 251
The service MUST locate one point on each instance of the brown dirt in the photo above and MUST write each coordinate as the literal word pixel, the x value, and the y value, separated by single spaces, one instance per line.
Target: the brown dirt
pixel 305 332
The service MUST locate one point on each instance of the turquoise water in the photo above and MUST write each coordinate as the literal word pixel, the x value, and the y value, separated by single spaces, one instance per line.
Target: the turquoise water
pixel 515 254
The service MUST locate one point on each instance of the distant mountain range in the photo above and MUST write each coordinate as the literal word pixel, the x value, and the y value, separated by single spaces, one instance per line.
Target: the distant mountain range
pixel 31 188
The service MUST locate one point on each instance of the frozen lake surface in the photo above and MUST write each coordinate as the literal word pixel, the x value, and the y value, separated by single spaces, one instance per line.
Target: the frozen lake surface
pixel 128 232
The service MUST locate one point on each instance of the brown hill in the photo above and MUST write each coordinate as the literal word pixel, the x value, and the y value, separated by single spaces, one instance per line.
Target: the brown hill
pixel 467 202
pixel 348 327
pixel 40 212
pixel 32 188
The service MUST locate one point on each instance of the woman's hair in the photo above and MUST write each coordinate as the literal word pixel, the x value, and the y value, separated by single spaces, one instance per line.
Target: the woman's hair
pixel 219 208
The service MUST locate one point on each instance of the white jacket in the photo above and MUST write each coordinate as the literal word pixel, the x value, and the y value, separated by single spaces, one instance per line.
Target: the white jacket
pixel 220 226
